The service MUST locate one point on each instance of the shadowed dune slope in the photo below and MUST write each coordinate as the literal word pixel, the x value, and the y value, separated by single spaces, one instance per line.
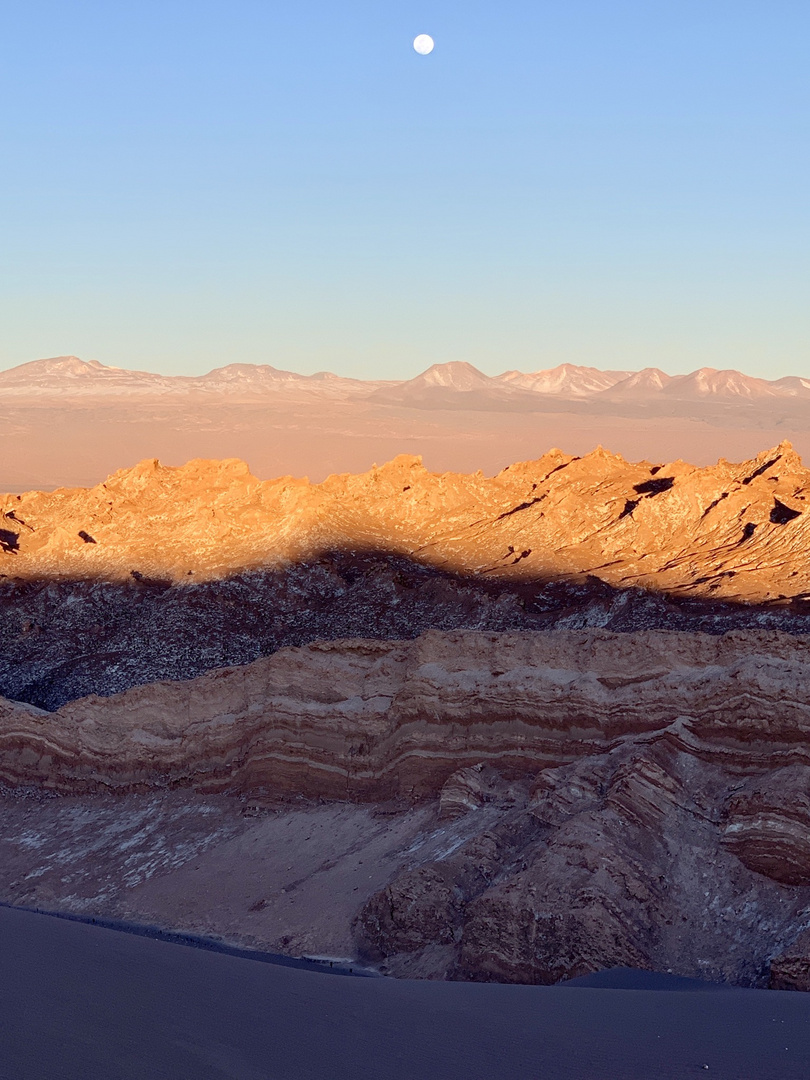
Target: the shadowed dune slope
pixel 81 1001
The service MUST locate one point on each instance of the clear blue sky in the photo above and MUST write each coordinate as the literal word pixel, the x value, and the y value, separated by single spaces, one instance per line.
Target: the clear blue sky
pixel 184 185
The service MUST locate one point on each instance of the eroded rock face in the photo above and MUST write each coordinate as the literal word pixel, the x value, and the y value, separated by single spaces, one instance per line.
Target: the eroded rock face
pixel 790 970
pixel 369 719
pixel 571 910
pixel 601 799
pixel 471 788
pixel 60 641
pixel 769 824
pixel 170 572
pixel 585 877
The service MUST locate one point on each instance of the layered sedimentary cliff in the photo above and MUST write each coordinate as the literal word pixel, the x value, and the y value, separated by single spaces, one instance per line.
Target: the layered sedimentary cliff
pixel 367 719
pixel 636 799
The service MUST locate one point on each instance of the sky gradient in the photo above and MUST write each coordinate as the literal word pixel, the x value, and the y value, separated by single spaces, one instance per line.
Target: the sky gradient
pixel 601 182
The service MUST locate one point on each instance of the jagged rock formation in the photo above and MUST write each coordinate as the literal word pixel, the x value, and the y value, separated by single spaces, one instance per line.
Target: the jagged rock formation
pixel 615 860
pixel 167 573
pixel 737 532
pixel 634 799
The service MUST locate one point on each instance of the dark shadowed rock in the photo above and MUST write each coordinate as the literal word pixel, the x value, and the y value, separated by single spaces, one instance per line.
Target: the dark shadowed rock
pixel 769 825
pixel 790 970
pixel 205 566
pixel 628 799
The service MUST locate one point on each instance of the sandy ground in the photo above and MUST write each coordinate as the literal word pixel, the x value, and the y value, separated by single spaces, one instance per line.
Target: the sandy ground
pixel 289 880
pixel 80 1002
pixel 45 446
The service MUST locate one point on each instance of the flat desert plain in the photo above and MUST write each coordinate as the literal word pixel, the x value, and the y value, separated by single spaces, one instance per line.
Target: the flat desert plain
pixel 67 422
pixel 80 445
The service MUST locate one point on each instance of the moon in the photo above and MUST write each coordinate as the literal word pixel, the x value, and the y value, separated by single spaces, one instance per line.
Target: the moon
pixel 423 44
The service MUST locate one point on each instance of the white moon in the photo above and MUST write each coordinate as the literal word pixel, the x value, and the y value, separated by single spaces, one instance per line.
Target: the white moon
pixel 423 44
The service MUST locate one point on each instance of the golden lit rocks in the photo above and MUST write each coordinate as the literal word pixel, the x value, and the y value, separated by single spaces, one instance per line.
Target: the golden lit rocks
pixel 722 532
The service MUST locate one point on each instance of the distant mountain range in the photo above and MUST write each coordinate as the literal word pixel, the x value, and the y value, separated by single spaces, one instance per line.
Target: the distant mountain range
pixel 68 375
pixel 452 385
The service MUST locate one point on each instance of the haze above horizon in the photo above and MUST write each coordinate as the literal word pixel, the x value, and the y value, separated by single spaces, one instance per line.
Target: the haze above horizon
pixel 612 185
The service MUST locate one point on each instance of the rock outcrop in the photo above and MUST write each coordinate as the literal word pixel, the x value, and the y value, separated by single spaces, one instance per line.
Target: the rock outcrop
pixel 735 532
pixel 769 824
pixel 606 799
pixel 790 970
pixel 614 860
pixel 368 719
pixel 167 573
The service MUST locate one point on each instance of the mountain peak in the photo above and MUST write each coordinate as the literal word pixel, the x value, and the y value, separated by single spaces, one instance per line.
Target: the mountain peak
pixel 455 375
pixel 70 366
pixel 456 384
pixel 566 380
pixel 250 375
pixel 642 383
pixel 711 382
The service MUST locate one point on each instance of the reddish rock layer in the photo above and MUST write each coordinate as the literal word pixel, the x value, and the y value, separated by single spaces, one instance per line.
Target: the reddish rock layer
pixel 790 970
pixel 367 719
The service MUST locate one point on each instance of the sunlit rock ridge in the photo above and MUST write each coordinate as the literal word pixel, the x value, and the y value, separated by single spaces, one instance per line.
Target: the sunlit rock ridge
pixel 730 531
pixel 169 572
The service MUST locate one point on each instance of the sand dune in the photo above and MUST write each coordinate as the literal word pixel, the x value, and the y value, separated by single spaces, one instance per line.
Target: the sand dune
pixel 80 1001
